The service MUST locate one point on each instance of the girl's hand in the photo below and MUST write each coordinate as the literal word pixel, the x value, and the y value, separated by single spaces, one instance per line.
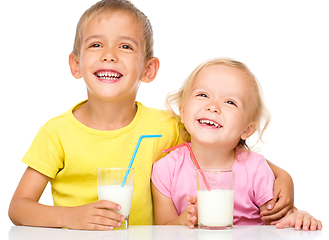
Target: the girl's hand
pixel 283 198
pixel 192 211
pixel 94 216
pixel 300 220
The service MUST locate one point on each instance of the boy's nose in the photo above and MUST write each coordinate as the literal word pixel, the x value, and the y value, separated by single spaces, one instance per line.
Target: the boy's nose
pixel 109 57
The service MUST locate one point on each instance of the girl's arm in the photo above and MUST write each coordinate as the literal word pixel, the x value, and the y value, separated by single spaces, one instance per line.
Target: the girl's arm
pixel 263 208
pixel 283 195
pixel 164 210
pixel 25 210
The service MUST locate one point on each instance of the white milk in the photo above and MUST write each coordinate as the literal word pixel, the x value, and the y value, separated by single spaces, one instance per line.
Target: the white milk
pixel 215 207
pixel 119 195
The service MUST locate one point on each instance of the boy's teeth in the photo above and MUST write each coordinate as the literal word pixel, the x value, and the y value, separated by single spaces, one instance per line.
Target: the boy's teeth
pixel 109 76
pixel 209 122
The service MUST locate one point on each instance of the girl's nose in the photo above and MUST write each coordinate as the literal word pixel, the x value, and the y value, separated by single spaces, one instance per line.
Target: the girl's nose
pixel 213 108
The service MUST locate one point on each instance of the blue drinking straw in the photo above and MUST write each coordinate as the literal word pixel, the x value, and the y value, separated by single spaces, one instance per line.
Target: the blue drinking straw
pixel 134 155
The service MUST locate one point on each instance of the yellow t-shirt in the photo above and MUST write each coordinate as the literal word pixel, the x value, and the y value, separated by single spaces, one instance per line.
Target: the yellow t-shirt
pixel 69 153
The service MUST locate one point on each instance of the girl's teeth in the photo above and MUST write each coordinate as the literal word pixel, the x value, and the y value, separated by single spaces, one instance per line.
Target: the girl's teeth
pixel 209 122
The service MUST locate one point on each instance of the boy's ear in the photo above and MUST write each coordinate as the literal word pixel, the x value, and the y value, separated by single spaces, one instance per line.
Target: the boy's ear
pixel 151 70
pixel 250 130
pixel 74 66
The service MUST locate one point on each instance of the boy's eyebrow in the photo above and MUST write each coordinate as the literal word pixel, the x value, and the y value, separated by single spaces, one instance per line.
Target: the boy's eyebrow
pixel 92 36
pixel 130 39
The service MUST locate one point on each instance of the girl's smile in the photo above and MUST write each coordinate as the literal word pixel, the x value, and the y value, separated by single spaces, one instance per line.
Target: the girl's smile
pixel 208 123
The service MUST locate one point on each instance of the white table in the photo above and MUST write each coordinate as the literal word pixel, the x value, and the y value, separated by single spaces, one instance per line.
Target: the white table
pixel 165 233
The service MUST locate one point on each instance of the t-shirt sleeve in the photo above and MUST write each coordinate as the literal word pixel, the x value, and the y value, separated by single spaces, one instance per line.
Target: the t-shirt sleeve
pixel 263 183
pixel 162 174
pixel 45 154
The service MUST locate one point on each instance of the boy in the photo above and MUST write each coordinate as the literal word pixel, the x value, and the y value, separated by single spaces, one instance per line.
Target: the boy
pixel 113 52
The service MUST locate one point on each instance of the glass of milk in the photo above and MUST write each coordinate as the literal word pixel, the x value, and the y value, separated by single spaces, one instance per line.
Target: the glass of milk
pixel 109 181
pixel 215 207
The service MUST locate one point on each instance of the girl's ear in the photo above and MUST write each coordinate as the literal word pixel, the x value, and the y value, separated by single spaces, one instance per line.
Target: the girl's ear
pixel 74 66
pixel 181 114
pixel 151 70
pixel 250 130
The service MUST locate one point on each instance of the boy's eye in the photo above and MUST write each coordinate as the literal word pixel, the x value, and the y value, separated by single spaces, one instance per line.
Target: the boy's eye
pixel 95 45
pixel 125 46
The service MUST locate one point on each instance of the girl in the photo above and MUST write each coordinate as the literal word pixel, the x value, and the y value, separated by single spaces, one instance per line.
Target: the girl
pixel 221 106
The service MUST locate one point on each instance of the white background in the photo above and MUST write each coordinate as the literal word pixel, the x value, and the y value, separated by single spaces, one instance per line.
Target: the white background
pixel 285 44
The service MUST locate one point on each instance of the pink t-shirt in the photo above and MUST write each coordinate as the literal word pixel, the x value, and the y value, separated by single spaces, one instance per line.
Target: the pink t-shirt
pixel 175 177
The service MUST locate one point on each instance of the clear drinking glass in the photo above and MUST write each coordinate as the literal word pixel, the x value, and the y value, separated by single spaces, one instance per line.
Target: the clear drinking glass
pixel 215 207
pixel 109 181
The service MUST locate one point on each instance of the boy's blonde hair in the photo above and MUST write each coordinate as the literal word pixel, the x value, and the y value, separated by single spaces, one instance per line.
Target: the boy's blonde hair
pixel 261 115
pixel 106 7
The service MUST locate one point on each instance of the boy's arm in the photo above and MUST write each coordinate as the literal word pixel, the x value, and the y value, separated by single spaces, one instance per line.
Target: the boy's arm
pixel 283 195
pixel 25 210
pixel 300 220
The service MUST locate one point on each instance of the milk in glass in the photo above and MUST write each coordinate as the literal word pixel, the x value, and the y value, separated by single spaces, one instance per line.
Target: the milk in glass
pixel 215 207
pixel 120 195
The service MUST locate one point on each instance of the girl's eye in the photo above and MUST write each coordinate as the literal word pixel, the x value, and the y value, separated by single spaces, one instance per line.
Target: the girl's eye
pixel 231 103
pixel 202 95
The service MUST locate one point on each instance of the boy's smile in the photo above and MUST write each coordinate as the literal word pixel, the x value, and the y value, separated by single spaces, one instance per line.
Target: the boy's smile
pixel 108 75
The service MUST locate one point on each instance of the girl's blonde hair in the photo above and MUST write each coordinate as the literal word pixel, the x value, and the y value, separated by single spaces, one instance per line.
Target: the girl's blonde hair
pixel 106 7
pixel 261 115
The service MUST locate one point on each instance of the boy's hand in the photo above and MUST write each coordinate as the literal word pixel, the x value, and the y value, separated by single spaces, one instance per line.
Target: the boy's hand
pixel 192 211
pixel 282 202
pixel 94 216
pixel 300 220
